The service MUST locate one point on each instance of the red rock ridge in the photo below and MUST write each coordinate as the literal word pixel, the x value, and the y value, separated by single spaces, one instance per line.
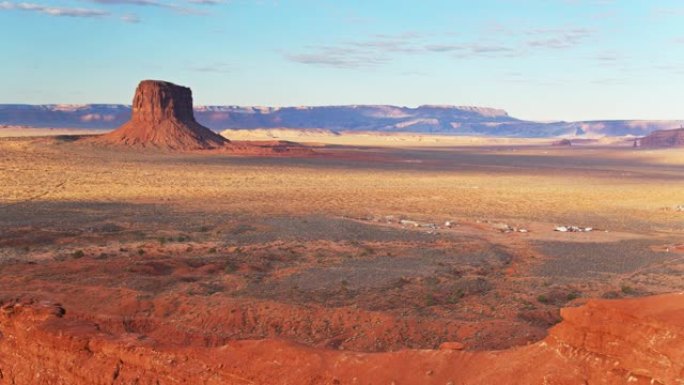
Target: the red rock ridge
pixel 635 341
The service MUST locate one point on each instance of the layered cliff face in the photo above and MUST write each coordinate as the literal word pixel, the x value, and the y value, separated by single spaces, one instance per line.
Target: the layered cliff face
pixel 157 101
pixel 635 341
pixel 664 139
pixel 162 117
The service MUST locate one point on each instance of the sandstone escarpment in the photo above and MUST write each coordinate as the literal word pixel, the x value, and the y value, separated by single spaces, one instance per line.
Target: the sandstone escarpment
pixel 162 116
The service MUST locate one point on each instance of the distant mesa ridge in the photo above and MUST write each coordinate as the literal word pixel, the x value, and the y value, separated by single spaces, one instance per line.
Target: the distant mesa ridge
pixel 441 119
pixel 162 116
pixel 664 139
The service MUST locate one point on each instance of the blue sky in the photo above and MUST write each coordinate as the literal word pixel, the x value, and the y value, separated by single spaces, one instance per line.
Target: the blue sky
pixel 538 59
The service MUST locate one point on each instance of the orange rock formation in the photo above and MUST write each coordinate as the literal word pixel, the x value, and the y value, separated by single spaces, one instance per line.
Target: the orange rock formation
pixel 162 116
pixel 632 341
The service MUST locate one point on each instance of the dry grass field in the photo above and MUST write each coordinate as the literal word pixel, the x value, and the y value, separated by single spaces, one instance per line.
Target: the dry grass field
pixel 201 248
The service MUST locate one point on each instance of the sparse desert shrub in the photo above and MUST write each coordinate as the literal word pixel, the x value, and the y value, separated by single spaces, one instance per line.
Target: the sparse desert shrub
pixel 455 296
pixel 477 286
pixel 212 250
pixel 542 299
pixel 241 229
pixel 212 288
pixel 611 295
pixel 78 254
pixel 344 286
pixel 626 289
pixel 231 267
pixel 141 252
pixel 431 281
pixel 430 300
pixel 367 251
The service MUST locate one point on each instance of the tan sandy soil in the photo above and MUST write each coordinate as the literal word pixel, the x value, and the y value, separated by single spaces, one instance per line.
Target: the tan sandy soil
pixel 399 139
pixel 20 131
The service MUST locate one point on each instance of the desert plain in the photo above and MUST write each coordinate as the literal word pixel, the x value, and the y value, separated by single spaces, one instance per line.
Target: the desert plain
pixel 356 262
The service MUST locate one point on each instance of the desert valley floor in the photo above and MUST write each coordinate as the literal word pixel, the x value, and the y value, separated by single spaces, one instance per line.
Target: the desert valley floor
pixel 156 266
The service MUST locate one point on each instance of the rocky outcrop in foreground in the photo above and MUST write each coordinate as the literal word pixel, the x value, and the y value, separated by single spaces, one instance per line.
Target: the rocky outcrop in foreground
pixel 162 117
pixel 634 341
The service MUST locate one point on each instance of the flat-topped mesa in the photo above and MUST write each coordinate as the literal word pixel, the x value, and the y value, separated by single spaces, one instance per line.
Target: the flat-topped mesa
pixel 162 117
pixel 664 139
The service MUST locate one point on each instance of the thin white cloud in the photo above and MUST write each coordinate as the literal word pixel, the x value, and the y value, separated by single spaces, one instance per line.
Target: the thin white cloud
pixel 159 4
pixel 151 3
pixel 130 18
pixel 206 2
pixel 339 58
pixel 211 67
pixel 559 38
pixel 53 11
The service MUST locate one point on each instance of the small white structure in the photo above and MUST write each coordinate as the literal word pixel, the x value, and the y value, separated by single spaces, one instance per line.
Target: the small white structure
pixel 406 222
pixel 573 229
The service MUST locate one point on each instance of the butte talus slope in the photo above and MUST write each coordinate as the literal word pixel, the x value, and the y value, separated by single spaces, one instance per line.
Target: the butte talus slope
pixel 162 117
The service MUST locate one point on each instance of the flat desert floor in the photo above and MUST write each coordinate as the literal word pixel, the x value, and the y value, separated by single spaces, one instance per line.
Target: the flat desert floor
pixel 360 248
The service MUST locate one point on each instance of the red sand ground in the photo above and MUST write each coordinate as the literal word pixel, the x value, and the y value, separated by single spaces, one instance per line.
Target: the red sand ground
pixel 87 339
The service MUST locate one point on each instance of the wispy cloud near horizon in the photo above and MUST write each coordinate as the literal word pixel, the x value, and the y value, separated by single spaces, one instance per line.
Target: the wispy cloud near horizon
pixel 381 49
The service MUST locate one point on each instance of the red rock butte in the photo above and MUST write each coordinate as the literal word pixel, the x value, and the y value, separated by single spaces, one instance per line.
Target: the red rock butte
pixel 162 117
